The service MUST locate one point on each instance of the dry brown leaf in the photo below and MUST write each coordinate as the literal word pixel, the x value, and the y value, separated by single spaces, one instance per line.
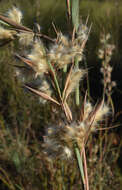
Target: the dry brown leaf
pixel 42 94
pixel 12 23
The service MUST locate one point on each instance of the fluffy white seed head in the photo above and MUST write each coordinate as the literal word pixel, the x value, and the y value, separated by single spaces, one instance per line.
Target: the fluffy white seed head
pixel 75 78
pixel 38 57
pixel 15 15
pixel 45 87
pixel 87 109
pixel 6 34
pixel 103 110
pixel 25 38
pixel 67 152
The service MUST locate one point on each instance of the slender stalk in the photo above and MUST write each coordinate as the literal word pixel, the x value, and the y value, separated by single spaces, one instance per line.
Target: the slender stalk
pixel 85 169
pixel 65 69
pixel 77 98
pixel 55 79
pixel 88 85
pixel 80 163
pixel 75 13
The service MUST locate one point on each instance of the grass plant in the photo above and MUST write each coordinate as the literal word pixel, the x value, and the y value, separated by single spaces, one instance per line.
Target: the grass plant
pixel 65 150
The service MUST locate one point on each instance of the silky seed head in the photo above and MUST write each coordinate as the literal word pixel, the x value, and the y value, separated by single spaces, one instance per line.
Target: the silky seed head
pixel 45 87
pixel 64 40
pixel 68 152
pixel 6 34
pixel 15 15
pixel 60 140
pixel 101 53
pixel 104 110
pixel 76 76
pixel 87 110
pixel 25 38
pixel 38 57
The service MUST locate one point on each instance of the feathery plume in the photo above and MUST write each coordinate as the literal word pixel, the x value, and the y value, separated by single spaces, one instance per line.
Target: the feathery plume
pixel 25 38
pixel 45 87
pixel 15 15
pixel 6 34
pixel 64 51
pixel 76 76
pixel 38 57
pixel 59 141
pixel 102 111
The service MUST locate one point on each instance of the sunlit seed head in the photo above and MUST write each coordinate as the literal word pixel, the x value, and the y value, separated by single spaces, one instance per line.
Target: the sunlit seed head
pixel 101 53
pixel 19 75
pixel 76 76
pixel 103 110
pixel 108 36
pixel 64 40
pixel 25 39
pixel 59 141
pixel 113 84
pixel 45 87
pixel 15 15
pixel 87 109
pixel 68 152
pixel 38 57
pixel 82 125
pixel 6 34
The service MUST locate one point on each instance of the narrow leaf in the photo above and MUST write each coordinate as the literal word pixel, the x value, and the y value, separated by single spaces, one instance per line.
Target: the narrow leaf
pixel 25 60
pixel 75 13
pixel 67 111
pixel 55 78
pixel 82 108
pixel 67 82
pixel 42 94
pixel 12 23
pixel 80 163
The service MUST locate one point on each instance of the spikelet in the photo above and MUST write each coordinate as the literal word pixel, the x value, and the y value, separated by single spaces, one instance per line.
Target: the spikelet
pixel 76 76
pixel 82 32
pixel 102 111
pixel 67 152
pixel 58 142
pixel 24 74
pixel 59 55
pixel 92 115
pixel 25 38
pixel 87 110
pixel 64 51
pixel 45 87
pixel 6 34
pixel 64 40
pixel 38 57
pixel 15 15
